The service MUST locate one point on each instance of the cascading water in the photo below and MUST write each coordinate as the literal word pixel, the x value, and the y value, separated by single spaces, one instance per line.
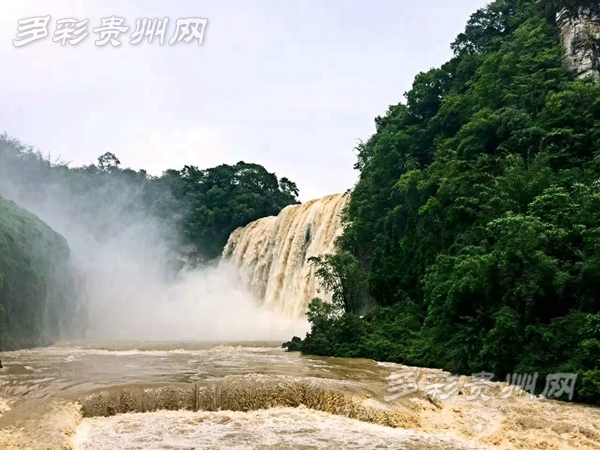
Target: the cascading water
pixel 273 253
pixel 205 395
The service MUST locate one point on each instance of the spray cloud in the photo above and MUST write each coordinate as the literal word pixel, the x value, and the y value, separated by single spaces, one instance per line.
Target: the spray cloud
pixel 134 283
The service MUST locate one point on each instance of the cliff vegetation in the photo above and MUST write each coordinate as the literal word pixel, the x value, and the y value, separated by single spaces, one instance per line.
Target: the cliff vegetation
pixel 476 218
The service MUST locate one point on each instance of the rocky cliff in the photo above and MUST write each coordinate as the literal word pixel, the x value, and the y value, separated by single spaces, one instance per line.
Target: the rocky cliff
pixel 580 36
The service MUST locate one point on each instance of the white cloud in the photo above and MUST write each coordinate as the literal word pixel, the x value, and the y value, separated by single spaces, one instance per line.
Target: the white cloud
pixel 288 86
pixel 174 148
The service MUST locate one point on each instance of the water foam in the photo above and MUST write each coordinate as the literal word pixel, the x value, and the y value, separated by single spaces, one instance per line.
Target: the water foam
pixel 273 252
pixel 277 428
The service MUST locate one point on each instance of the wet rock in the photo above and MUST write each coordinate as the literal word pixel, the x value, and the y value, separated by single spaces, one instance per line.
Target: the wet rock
pixel 295 345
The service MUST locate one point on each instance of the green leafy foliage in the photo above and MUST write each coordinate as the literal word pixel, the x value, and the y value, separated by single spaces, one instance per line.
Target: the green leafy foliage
pixel 199 207
pixel 36 284
pixel 188 208
pixel 224 198
pixel 342 275
pixel 477 212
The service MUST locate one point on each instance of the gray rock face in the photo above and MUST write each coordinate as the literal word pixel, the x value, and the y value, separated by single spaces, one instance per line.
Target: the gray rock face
pixel 580 36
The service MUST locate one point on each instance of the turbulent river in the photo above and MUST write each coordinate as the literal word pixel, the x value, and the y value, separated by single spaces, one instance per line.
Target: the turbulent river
pixel 177 395
pixel 144 395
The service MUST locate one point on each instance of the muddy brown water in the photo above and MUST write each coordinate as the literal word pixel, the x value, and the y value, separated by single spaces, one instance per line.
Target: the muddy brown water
pixel 254 395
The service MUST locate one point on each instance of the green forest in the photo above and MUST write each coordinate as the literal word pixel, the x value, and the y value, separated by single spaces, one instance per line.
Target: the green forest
pixel 471 241
pixel 194 207
pixel 36 285
pixel 199 207
pixel 472 238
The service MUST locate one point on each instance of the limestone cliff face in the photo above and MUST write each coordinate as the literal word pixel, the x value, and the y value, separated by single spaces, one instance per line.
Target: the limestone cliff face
pixel 580 36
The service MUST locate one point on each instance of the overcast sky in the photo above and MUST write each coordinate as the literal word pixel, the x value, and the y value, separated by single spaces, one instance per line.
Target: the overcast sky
pixel 289 85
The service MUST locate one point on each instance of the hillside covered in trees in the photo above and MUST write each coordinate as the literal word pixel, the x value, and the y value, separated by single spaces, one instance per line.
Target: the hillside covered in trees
pixel 475 224
pixel 198 207
pixel 186 215
pixel 37 296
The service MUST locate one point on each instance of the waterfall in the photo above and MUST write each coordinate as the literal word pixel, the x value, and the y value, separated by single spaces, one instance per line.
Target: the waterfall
pixel 272 253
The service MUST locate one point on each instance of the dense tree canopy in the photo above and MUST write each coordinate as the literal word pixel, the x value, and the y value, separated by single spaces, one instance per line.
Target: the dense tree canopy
pixel 202 207
pixel 188 209
pixel 224 198
pixel 477 212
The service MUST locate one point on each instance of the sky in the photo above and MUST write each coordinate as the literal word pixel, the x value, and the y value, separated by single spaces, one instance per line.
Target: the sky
pixel 290 85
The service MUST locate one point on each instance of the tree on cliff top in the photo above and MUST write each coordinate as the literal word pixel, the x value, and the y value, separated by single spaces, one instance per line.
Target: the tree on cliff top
pixel 199 206
pixel 226 197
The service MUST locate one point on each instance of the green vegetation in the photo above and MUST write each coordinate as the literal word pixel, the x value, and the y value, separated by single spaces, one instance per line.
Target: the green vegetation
pixel 198 207
pixel 36 287
pixel 190 208
pixel 223 198
pixel 476 219
pixel 341 274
